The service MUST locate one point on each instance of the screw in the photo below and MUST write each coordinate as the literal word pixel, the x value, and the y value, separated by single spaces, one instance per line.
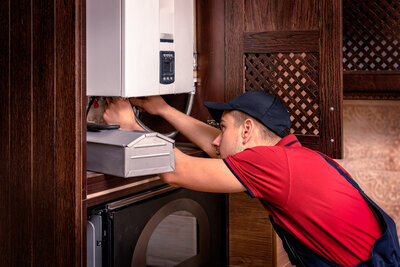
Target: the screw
pixel 331 108
pixel 332 140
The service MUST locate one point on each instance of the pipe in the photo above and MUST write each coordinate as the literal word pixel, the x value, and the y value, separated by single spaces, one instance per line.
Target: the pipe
pixel 188 110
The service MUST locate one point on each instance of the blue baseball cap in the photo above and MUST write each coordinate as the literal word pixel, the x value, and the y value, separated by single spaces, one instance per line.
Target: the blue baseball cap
pixel 260 105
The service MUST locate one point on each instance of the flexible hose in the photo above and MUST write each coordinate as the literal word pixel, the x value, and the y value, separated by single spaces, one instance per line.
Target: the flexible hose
pixel 188 110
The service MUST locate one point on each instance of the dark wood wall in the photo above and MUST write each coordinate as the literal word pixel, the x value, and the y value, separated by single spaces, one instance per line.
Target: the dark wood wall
pixel 40 133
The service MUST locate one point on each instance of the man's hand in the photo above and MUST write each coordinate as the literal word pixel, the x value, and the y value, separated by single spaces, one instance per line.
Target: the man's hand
pixel 154 105
pixel 119 111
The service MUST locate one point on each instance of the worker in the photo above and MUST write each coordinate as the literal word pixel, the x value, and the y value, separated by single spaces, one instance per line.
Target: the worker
pixel 316 208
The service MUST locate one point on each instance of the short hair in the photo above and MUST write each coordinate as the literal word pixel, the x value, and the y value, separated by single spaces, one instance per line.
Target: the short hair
pixel 240 117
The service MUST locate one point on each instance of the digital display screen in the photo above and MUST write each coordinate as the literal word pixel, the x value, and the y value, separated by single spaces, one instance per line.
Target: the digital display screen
pixel 167 67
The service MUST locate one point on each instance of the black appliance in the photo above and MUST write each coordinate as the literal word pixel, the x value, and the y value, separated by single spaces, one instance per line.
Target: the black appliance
pixel 166 226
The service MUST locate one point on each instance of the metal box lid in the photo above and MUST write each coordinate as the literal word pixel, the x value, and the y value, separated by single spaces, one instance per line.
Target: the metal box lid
pixel 122 138
pixel 129 153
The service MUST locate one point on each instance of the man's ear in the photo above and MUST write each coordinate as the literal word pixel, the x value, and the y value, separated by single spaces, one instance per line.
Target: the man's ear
pixel 247 130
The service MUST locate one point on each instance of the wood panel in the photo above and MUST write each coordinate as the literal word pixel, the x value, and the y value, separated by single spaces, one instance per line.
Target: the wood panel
pixel 210 50
pixel 20 126
pixel 282 41
pixel 43 127
pixel 41 121
pixel 375 85
pixel 5 222
pixel 331 79
pixel 251 235
pixel 234 28
pixel 277 15
pixel 68 149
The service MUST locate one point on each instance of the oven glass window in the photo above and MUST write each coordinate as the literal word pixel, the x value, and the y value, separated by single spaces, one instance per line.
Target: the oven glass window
pixel 174 240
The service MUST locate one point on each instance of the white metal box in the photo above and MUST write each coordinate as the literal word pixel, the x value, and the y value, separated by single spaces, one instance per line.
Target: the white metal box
pixel 129 153
pixel 127 39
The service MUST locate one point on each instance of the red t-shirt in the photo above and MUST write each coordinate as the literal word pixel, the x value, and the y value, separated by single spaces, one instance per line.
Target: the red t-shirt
pixel 309 198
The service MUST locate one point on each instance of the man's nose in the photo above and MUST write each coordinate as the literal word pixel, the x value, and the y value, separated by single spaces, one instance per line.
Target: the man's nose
pixel 217 141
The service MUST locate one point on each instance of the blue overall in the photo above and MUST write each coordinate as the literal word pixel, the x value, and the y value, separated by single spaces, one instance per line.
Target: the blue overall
pixel 385 251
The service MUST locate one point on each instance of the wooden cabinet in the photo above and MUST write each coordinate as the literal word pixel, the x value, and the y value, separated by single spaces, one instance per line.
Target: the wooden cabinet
pixel 371 50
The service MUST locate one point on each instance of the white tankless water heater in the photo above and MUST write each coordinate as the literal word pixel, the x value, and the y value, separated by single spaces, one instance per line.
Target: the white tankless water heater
pixel 139 47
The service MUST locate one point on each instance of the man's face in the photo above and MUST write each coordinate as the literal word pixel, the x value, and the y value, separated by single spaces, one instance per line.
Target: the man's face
pixel 229 141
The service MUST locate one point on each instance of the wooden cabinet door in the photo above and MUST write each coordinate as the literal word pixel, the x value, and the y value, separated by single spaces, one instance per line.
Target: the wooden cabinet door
pixel 291 49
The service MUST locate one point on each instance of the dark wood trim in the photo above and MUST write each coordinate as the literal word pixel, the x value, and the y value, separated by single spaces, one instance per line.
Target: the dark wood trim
pixel 371 85
pixel 44 125
pixel 84 97
pixel 282 41
pixel 211 59
pixel 68 147
pixel 110 195
pixel 20 127
pixel 5 116
pixel 234 60
pixel 331 82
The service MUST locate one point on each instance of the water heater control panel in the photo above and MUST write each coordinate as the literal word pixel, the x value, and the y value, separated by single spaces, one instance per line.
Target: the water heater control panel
pixel 167 67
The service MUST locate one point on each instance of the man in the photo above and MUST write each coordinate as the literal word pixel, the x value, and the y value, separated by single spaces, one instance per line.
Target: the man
pixel 321 215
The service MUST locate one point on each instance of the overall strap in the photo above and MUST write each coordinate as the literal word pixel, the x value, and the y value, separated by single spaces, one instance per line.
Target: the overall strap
pixel 386 249
pixel 299 254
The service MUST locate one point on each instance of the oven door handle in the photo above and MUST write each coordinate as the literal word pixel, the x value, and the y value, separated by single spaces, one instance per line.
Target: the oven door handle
pixel 136 198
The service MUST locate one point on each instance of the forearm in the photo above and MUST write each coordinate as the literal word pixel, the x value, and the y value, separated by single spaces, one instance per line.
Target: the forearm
pixel 198 132
pixel 202 174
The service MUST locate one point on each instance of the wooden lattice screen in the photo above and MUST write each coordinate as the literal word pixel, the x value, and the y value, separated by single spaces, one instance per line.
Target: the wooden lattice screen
pixel 294 78
pixel 371 36
pixel 371 49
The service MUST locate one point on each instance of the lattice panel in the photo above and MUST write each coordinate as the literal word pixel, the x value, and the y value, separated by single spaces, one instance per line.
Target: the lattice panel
pixel 371 35
pixel 294 78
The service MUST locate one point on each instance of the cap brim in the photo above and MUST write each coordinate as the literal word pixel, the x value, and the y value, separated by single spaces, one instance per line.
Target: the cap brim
pixel 216 109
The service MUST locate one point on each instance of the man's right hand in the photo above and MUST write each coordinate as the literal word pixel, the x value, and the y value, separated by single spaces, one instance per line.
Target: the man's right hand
pixel 154 105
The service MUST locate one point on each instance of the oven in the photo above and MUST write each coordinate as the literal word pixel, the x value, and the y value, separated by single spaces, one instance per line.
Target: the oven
pixel 165 226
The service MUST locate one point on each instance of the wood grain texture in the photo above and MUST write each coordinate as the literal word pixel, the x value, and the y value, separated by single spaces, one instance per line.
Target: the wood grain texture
pixel 211 60
pixel 20 127
pixel 68 140
pixel 250 232
pixel 371 85
pixel 41 121
pixel 331 78
pixel 5 222
pixel 234 61
pixel 277 15
pixel 44 123
pixel 282 41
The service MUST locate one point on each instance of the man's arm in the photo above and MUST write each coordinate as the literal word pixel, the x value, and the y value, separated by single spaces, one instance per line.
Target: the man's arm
pixel 202 174
pixel 201 134
pixel 198 132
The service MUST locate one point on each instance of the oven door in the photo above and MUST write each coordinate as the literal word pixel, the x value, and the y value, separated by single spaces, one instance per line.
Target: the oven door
pixel 166 227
